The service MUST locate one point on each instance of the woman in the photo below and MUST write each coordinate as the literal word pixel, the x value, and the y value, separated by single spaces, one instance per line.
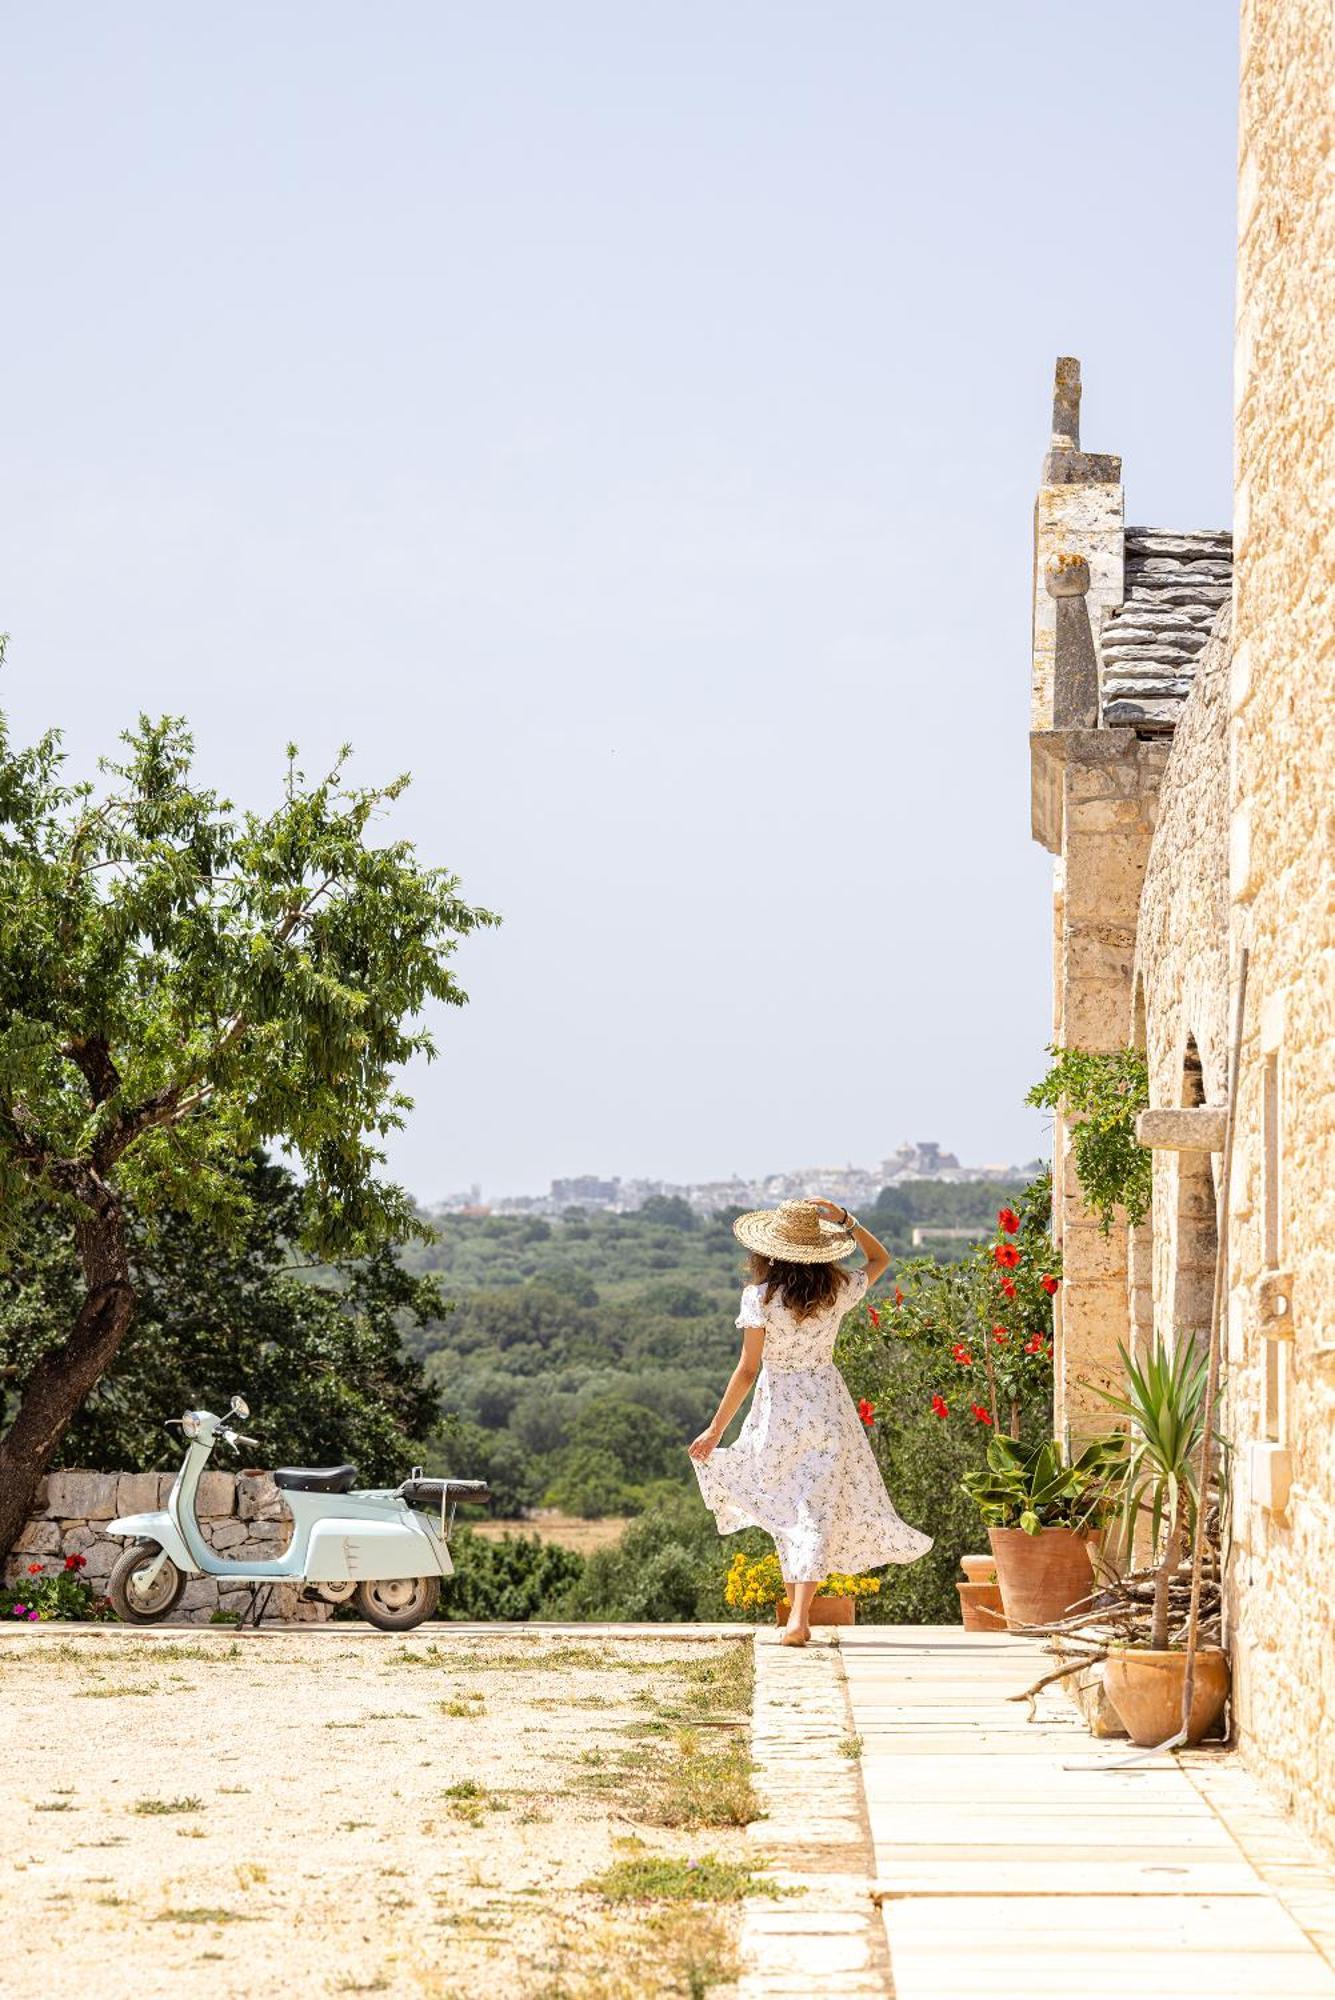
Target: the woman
pixel 801 1468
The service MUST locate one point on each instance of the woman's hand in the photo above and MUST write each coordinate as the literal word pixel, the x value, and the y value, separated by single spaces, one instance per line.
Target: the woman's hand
pixel 831 1210
pixel 703 1445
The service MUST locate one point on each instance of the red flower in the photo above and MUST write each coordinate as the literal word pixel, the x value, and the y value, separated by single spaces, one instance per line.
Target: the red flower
pixel 76 1562
pixel 980 1415
pixel 1005 1255
pixel 867 1412
pixel 873 1316
pixel 1008 1220
pixel 1036 1345
pixel 1008 1288
pixel 34 1569
pixel 1000 1335
pixel 962 1355
pixel 1049 1284
pixel 940 1407
pixel 899 1296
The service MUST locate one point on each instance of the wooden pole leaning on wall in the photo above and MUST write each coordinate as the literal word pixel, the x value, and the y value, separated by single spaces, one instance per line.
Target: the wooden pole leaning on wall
pixel 1217 1307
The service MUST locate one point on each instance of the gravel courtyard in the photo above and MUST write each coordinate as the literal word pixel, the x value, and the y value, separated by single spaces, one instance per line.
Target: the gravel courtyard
pixel 334 1812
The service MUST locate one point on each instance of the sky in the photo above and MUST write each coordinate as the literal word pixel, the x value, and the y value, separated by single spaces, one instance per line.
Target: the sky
pixel 627 420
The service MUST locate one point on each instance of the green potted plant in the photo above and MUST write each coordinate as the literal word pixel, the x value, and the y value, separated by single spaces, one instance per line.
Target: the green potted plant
pixel 1041 1512
pixel 1164 1403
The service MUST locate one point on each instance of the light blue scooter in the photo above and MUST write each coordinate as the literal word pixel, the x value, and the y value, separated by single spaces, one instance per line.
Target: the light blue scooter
pixel 386 1550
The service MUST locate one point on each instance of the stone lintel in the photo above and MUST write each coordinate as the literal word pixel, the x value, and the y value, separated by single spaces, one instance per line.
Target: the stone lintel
pixel 1081 468
pixel 1195 1128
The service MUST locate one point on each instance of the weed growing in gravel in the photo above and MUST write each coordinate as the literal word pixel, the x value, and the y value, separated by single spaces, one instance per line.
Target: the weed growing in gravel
pixel 850 1746
pixel 670 1878
pixel 200 1916
pixel 109 1693
pixel 54 1805
pixel 470 1709
pixel 148 1807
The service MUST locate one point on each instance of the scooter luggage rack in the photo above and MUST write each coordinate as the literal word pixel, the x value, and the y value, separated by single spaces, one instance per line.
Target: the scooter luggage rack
pixel 449 1491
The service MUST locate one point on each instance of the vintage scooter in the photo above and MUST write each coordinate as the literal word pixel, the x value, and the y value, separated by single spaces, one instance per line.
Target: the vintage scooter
pixel 386 1549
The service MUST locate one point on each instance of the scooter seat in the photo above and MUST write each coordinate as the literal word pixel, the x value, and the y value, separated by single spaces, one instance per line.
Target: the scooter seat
pixel 316 1478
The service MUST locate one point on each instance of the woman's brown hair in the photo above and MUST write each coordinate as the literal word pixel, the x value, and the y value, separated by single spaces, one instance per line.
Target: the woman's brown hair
pixel 804 1288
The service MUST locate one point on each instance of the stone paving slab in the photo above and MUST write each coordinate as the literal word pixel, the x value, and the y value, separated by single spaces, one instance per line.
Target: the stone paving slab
pixel 1016 1860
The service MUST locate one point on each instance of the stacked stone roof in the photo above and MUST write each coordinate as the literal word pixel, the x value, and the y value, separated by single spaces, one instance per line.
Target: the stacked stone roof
pixel 1176 586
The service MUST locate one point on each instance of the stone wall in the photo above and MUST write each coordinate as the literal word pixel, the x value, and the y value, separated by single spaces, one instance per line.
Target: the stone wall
pixel 1282 758
pixel 1181 980
pixel 242 1515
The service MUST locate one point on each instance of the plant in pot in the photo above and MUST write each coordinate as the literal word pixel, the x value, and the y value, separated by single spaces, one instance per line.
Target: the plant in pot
pixel 755 1583
pixel 1164 1403
pixel 1041 1512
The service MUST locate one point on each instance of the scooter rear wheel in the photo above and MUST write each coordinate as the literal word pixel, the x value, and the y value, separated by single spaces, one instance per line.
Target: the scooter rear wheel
pixel 396 1604
pixel 134 1608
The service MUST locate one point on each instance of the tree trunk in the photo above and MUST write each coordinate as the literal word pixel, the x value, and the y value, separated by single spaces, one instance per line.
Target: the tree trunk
pixel 57 1386
pixel 1163 1576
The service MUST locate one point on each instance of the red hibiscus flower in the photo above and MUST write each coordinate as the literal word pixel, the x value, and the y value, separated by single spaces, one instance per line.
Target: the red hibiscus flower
pixel 1008 1288
pixel 1005 1255
pixel 980 1415
pixel 940 1407
pixel 76 1562
pixel 867 1412
pixel 34 1569
pixel 1036 1345
pixel 873 1316
pixel 962 1355
pixel 1049 1283
pixel 1008 1220
pixel 1000 1335
pixel 899 1296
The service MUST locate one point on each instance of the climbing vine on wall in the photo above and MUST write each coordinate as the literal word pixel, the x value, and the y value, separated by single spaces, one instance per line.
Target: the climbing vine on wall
pixel 1101 1094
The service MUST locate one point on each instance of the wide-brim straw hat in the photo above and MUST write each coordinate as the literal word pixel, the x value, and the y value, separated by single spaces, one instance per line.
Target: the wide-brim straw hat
pixel 794 1233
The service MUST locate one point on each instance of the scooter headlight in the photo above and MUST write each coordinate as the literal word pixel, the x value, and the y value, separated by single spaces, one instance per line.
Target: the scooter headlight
pixel 190 1423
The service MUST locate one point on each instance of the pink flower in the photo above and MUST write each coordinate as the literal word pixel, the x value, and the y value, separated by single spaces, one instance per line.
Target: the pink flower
pixel 33 1616
pixel 18 1611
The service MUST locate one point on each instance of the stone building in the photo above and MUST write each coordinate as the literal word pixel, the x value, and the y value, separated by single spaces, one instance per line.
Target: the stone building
pixel 1183 760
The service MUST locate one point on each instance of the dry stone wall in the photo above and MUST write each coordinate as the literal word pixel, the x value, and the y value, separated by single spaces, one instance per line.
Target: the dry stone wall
pixel 242 1516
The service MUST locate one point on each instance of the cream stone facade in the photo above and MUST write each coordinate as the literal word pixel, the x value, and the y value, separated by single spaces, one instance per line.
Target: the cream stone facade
pixel 1183 756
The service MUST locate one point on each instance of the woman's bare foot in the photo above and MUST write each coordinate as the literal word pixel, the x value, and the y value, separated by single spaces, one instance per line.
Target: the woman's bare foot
pixel 795 1635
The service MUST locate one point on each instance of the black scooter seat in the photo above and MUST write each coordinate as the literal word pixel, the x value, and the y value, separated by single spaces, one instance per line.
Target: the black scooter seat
pixel 316 1478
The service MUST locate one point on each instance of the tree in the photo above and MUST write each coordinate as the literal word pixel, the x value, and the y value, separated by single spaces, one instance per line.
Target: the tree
pixel 315 1350
pixel 181 983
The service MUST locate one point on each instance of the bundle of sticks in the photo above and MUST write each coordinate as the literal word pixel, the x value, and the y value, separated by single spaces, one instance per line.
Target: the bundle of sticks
pixel 1118 1613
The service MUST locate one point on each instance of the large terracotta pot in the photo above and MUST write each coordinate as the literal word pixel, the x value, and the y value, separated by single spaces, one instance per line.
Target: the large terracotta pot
pixel 1041 1576
pixel 1146 1690
pixel 824 1611
pixel 980 1607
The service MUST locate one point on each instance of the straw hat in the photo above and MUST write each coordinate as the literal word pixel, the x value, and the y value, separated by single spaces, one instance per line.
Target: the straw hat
pixel 795 1233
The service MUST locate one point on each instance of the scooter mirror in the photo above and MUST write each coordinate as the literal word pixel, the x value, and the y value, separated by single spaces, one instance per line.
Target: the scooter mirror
pixel 240 1407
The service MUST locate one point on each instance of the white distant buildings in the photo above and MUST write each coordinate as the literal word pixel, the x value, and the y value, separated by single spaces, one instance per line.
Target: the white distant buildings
pixel 854 1186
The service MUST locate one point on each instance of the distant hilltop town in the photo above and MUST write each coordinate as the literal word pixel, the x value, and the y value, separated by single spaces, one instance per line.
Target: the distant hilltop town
pixel 856 1186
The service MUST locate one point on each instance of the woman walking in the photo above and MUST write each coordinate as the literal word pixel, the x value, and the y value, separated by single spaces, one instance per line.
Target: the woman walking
pixel 802 1468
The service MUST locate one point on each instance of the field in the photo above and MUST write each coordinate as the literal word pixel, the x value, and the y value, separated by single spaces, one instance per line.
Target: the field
pixel 340 1812
pixel 568 1531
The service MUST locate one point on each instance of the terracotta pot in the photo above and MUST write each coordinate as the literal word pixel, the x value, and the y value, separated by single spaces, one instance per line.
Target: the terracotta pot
pixel 980 1607
pixel 824 1611
pixel 1146 1690
pixel 1042 1575
pixel 979 1569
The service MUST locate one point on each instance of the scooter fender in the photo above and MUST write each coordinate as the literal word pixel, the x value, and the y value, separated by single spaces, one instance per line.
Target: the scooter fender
pixel 159 1528
pixel 352 1551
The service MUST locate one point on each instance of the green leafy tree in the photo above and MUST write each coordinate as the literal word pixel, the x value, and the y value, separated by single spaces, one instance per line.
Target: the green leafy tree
pixel 1102 1092
pixel 644 1445
pixel 180 984
pixel 315 1349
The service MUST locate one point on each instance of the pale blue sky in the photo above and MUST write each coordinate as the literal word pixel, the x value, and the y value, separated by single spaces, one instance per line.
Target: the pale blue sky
pixel 626 418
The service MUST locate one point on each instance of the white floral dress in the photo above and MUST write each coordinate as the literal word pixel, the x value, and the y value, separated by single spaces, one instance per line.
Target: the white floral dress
pixel 802 1468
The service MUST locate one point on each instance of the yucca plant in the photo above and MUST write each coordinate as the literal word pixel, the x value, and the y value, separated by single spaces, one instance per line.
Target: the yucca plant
pixel 1164 1402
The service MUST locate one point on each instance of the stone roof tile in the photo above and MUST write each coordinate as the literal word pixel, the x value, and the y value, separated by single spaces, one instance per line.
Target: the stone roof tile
pixel 1176 585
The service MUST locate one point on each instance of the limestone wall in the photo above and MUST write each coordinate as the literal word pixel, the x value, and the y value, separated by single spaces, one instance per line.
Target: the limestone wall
pixel 242 1515
pixel 1282 826
pixel 1181 973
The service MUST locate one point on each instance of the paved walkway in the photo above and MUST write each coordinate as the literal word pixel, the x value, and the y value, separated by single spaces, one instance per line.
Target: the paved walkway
pixel 1013 1860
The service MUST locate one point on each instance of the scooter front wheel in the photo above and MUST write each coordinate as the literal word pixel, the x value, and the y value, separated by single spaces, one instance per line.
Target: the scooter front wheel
pixel 144 1607
pixel 397 1603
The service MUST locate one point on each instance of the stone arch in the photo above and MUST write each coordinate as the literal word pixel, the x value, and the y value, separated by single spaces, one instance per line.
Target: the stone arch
pixel 1196 1235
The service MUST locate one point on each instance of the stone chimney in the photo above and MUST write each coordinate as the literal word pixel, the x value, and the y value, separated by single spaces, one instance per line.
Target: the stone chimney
pixel 1079 514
